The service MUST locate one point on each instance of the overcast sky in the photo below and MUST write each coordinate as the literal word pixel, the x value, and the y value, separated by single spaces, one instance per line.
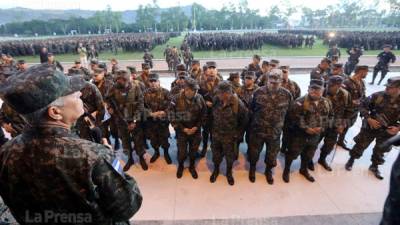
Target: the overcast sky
pixel 121 5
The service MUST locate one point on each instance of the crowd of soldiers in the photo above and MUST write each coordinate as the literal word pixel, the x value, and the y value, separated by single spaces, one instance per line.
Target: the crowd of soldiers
pixel 368 40
pixel 128 42
pixel 245 41
pixel 259 106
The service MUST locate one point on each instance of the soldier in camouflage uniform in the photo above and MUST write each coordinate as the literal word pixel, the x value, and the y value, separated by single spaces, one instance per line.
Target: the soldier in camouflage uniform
pixel 126 99
pixel 156 102
pixel 381 118
pixel 188 111
pixel 322 70
pixel 384 58
pixel 22 66
pixel 268 107
pixel 114 66
pixel 187 57
pixel 336 70
pixel 229 117
pixel 195 71
pixel 11 121
pixel 207 90
pixel 309 117
pixel 354 58
pixel 294 89
pixel 148 58
pixel 356 87
pixel 341 102
pixel 82 70
pixel 234 80
pixel 144 76
pixel 47 169
pixel 262 77
pixel 179 83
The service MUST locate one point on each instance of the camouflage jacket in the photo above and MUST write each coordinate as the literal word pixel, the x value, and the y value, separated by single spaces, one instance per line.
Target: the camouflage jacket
pixel 292 87
pixel 357 92
pixel 48 171
pixel 187 113
pixel 319 74
pixel 157 99
pixel 246 94
pixel 268 111
pixel 9 115
pixel 340 102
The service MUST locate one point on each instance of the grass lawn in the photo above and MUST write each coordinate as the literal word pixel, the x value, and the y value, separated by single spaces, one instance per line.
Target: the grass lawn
pixel 267 50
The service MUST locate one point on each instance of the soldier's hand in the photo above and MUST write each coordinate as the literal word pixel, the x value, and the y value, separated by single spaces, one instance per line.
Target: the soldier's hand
pixel 186 131
pixel 393 130
pixel 310 131
pixel 317 130
pixel 8 127
pixel 374 124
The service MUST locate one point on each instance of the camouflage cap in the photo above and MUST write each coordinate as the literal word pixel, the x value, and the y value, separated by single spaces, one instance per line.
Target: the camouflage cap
pixel 326 60
pixel 37 87
pixel 21 61
pixel 181 67
pixel 335 80
pixel 337 65
pixel 131 69
pixel 393 82
pixel 224 86
pixel 145 66
pixel 211 64
pixel 233 75
pixel 274 61
pixel 192 83
pixel 250 74
pixel 154 76
pixel 316 84
pixel 103 66
pixel 77 61
pixel 275 76
pixel 265 63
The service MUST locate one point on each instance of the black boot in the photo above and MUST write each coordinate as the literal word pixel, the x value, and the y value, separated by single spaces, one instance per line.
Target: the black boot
pixel 268 176
pixel 192 170
pixel 349 164
pixel 167 157
pixel 310 165
pixel 179 173
pixel 252 173
pixel 374 169
pixel 204 151
pixel 143 163
pixel 215 174
pixel 305 173
pixel 229 178
pixel 286 171
pixel 323 163
pixel 155 156
pixel 129 164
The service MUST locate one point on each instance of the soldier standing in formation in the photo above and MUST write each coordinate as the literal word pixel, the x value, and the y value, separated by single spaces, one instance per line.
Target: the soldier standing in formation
pixel 384 58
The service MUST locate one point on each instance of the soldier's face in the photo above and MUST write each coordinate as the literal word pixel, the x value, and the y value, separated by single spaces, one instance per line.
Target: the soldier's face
pixel 98 76
pixel 146 71
pixel 189 93
pixel 315 93
pixel 211 77
pixel 236 80
pixel 285 74
pixel 224 96
pixel 72 108
pixel 256 61
pixel 249 81
pixel 393 91
pixel 212 71
pixel 77 65
pixel 195 66
pixel 154 83
pixel 333 89
pixel 337 71
pixel 273 85
pixel 324 65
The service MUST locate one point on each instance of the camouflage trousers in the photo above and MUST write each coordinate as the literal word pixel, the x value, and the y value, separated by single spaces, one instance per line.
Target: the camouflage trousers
pixel 223 146
pixel 303 145
pixel 187 143
pixel 256 145
pixel 330 137
pixel 135 136
pixel 364 139
pixel 158 133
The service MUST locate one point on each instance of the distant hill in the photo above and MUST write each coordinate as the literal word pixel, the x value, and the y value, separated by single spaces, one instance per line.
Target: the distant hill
pixel 24 14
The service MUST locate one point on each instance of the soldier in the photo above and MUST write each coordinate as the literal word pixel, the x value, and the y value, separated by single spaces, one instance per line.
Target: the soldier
pixel 114 66
pixel 187 57
pixel 156 102
pixel 354 57
pixel 321 71
pixel 356 87
pixel 126 99
pixel 82 51
pixel 55 63
pixel 11 121
pixel 254 66
pixel 179 83
pixel 148 58
pixel 229 117
pixel 381 117
pixel 93 64
pixel 341 101
pixel 22 66
pixel 195 71
pixel 188 111
pixel 234 80
pixel 144 76
pixel 269 106
pixel 262 77
pixel 82 70
pixel 180 68
pixel 384 58
pixel 132 71
pixel 294 89
pixel 336 70
pixel 50 150
pixel 43 55
pixel 308 118
pixel 333 51
pixel 207 90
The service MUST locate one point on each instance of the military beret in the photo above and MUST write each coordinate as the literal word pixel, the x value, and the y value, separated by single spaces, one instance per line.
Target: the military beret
pixel 195 61
pixel 326 60
pixel 224 86
pixel 131 69
pixel 257 57
pixel 192 83
pixel 121 74
pixel 274 61
pixel 211 64
pixel 251 74
pixel 333 80
pixel 154 76
pixel 94 61
pixel 145 66
pixel 338 65
pixel 393 82
pixel 77 61
pixel 181 67
pixel 37 87
pixel 233 75
pixel 316 84
pixel 21 61
pixel 265 63
pixel 361 67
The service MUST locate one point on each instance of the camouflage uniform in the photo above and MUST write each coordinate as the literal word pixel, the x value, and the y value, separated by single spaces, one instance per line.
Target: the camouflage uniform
pixel 9 115
pixel 47 169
